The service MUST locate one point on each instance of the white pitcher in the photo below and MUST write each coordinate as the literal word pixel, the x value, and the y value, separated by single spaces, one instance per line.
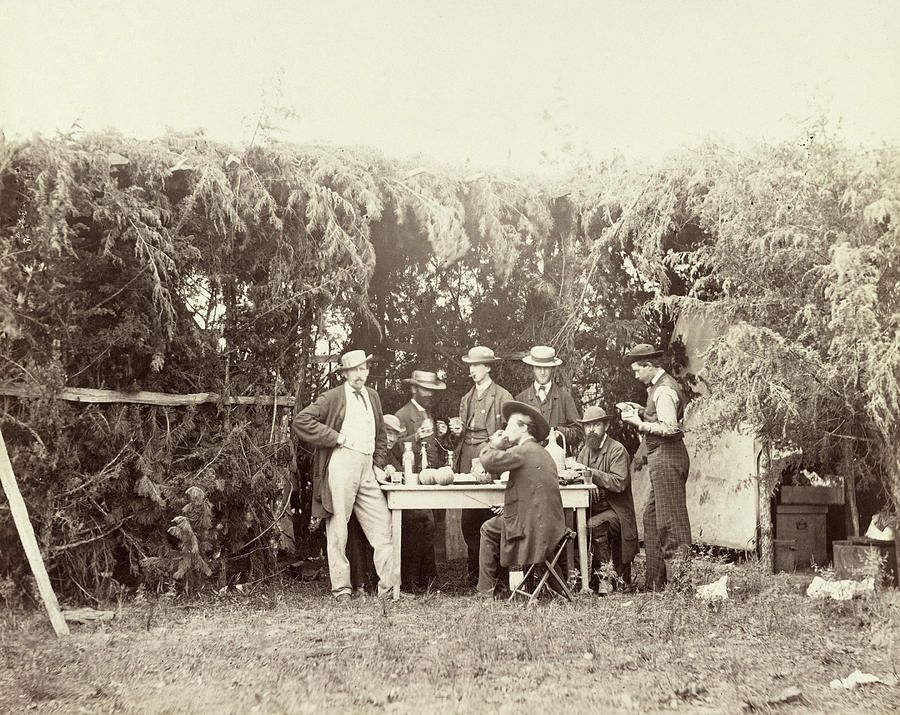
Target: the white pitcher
pixel 558 453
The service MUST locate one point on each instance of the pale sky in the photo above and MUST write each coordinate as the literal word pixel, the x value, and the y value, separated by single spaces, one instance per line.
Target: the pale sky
pixel 456 81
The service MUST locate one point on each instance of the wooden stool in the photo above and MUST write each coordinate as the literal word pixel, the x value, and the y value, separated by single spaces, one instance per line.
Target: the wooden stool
pixel 522 588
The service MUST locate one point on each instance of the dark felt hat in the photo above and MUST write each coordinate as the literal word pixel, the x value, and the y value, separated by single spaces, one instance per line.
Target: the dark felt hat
pixel 644 351
pixel 426 379
pixel 480 355
pixel 543 428
pixel 594 414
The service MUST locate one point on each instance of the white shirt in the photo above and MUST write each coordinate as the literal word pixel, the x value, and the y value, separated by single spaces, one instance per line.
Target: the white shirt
pixel 484 386
pixel 666 401
pixel 546 388
pixel 359 422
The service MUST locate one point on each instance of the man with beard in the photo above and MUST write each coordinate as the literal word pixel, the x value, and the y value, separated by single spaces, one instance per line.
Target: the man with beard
pixel 417 564
pixel 479 416
pixel 550 398
pixel 613 525
pixel 667 526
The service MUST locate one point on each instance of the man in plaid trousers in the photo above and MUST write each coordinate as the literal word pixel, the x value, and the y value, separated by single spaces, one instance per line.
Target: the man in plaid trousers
pixel 667 528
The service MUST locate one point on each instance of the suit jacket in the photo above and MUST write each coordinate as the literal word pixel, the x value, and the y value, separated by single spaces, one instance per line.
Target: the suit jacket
pixel 412 418
pixel 318 425
pixel 613 476
pixel 493 401
pixel 558 409
pixel 533 520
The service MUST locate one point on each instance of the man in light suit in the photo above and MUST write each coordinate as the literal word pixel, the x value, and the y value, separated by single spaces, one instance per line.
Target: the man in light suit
pixel 346 427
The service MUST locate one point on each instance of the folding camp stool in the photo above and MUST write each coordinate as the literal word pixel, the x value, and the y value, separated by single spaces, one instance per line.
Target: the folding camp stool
pixel 550 566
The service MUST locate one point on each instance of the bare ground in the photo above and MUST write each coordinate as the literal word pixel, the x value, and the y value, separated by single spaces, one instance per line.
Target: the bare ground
pixel 287 647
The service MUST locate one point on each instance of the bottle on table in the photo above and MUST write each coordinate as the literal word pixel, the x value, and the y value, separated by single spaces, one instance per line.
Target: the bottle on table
pixel 409 461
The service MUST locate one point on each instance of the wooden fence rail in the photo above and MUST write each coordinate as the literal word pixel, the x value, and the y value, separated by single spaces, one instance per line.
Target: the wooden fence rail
pixel 90 395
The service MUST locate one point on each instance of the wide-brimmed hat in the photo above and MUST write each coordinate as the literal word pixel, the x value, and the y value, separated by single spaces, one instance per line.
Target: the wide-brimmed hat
pixel 594 414
pixel 542 356
pixel 644 351
pixel 426 379
pixel 353 359
pixel 392 422
pixel 480 355
pixel 543 427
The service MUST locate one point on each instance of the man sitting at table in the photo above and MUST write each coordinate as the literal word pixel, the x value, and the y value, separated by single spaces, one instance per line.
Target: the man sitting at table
pixel 531 522
pixel 613 525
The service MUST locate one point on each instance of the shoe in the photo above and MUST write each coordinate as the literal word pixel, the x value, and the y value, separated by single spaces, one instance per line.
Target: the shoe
pixel 342 598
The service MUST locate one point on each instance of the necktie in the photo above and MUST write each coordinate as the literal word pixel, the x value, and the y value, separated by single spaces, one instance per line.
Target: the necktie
pixel 542 393
pixel 360 397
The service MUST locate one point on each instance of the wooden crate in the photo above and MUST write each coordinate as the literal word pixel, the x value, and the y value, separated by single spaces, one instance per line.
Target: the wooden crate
pixel 812 495
pixel 852 558
pixel 805 525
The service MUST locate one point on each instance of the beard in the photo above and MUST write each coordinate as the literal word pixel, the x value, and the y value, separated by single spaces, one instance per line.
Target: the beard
pixel 593 440
pixel 425 400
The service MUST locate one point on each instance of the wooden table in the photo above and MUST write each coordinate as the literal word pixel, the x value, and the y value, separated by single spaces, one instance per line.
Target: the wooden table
pixel 479 496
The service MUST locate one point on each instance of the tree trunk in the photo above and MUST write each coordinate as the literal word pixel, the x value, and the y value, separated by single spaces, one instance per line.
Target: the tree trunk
pixel 765 486
pixel 850 493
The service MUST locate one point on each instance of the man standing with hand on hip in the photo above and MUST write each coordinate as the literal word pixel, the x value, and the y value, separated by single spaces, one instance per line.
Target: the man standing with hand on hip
pixel 667 527
pixel 346 427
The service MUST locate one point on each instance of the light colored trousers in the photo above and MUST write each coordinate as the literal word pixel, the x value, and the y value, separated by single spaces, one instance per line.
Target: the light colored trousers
pixel 354 490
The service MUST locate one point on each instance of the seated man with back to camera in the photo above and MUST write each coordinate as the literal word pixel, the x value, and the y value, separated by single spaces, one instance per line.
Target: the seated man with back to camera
pixel 613 524
pixel 531 523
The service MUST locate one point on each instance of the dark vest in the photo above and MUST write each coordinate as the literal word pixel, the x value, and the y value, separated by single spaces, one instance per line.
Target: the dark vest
pixel 650 410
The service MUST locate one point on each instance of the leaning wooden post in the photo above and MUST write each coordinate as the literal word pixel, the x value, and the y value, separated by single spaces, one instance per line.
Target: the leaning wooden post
pixel 29 543
pixel 764 485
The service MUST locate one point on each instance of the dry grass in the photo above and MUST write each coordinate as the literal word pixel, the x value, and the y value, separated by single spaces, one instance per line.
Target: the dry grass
pixel 288 648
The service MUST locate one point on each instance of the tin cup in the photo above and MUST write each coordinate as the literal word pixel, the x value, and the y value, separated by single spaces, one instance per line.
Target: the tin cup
pixel 427 427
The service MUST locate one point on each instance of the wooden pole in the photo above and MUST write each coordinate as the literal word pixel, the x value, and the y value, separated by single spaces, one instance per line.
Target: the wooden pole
pixel 765 486
pixel 29 542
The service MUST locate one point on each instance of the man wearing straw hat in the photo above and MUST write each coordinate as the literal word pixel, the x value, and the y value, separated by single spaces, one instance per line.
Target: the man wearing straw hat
pixel 417 563
pixel 346 427
pixel 613 525
pixel 552 400
pixel 667 527
pixel 479 417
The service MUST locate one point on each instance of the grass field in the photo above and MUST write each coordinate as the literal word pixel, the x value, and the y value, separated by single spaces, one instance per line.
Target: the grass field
pixel 287 647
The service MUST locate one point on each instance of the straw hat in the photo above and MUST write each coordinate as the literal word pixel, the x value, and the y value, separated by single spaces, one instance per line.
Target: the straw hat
pixel 353 359
pixel 542 356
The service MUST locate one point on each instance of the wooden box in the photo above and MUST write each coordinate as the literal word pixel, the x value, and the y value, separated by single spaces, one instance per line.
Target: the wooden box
pixel 805 524
pixel 785 555
pixel 812 495
pixel 853 558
